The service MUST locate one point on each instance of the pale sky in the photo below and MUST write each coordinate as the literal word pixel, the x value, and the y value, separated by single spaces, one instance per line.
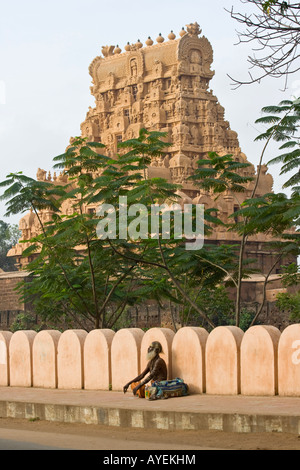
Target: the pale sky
pixel 47 46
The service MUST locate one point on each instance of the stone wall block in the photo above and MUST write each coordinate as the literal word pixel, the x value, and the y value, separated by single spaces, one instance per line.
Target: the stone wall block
pixel 289 361
pixel 70 359
pixel 5 337
pixel 125 356
pixel 44 358
pixel 259 366
pixel 20 358
pixel 188 357
pixel 97 359
pixel 165 337
pixel 222 360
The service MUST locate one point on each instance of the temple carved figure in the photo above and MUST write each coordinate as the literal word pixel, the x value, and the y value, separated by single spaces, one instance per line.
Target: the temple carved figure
pixel 164 86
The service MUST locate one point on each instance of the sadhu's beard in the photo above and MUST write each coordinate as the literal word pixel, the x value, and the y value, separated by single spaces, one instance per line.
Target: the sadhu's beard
pixel 151 355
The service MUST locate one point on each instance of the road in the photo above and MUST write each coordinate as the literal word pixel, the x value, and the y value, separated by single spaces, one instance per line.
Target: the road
pixel 70 437
pixel 19 434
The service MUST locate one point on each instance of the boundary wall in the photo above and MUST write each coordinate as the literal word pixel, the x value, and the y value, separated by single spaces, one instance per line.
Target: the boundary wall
pixel 261 361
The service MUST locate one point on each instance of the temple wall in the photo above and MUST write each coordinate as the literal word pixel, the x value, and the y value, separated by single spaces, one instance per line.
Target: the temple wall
pixel 261 361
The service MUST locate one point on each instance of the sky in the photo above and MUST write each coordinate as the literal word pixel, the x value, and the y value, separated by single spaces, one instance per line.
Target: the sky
pixel 46 48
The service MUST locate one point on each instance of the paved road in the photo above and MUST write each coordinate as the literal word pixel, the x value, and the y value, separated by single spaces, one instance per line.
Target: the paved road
pixel 104 439
pixel 17 434
pixel 9 444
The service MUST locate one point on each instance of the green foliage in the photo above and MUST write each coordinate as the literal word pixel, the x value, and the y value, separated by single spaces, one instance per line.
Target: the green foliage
pixel 24 193
pixel 77 277
pixel 272 213
pixel 283 6
pixel 220 174
pixel 25 321
pixel 291 275
pixel 285 119
pixel 219 308
pixel 9 235
pixel 216 304
pixel 291 303
pixel 279 214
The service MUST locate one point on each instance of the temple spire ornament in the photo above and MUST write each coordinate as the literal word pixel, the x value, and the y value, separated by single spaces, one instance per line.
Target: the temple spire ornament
pixel 193 29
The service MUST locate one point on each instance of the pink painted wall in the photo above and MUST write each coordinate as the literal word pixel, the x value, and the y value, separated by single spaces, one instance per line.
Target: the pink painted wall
pixel 97 359
pixel 125 356
pixel 5 337
pixel 223 360
pixel 259 371
pixel 20 358
pixel 188 357
pixel 289 361
pixel 70 359
pixel 261 361
pixel 44 359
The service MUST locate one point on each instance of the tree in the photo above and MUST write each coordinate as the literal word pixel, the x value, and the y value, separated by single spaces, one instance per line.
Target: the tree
pixel 286 122
pixel 165 262
pixel 215 301
pixel 279 214
pixel 222 175
pixel 79 284
pixel 290 301
pixel 273 214
pixel 274 29
pixel 9 235
pixel 80 276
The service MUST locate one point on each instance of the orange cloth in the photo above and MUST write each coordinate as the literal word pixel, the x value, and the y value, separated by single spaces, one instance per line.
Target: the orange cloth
pixel 141 391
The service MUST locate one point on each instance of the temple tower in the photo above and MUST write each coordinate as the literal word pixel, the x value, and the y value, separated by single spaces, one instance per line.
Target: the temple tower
pixel 164 87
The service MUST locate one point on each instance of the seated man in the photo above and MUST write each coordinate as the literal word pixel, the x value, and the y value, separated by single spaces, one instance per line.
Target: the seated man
pixel 156 368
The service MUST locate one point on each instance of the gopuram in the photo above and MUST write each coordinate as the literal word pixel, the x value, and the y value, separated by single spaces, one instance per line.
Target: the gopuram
pixel 164 86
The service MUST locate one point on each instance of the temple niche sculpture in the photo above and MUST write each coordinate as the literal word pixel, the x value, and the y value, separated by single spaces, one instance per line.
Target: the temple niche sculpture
pixel 164 86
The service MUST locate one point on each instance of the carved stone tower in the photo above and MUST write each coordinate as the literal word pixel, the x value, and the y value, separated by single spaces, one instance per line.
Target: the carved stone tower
pixel 164 87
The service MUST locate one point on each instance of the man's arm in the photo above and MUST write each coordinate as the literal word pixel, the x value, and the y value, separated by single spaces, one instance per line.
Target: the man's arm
pixel 137 379
pixel 153 374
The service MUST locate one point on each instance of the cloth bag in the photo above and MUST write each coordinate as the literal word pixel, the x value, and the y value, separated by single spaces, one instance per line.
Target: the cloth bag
pixel 166 389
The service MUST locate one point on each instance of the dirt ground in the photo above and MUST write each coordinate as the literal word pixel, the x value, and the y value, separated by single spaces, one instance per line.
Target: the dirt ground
pixel 93 437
